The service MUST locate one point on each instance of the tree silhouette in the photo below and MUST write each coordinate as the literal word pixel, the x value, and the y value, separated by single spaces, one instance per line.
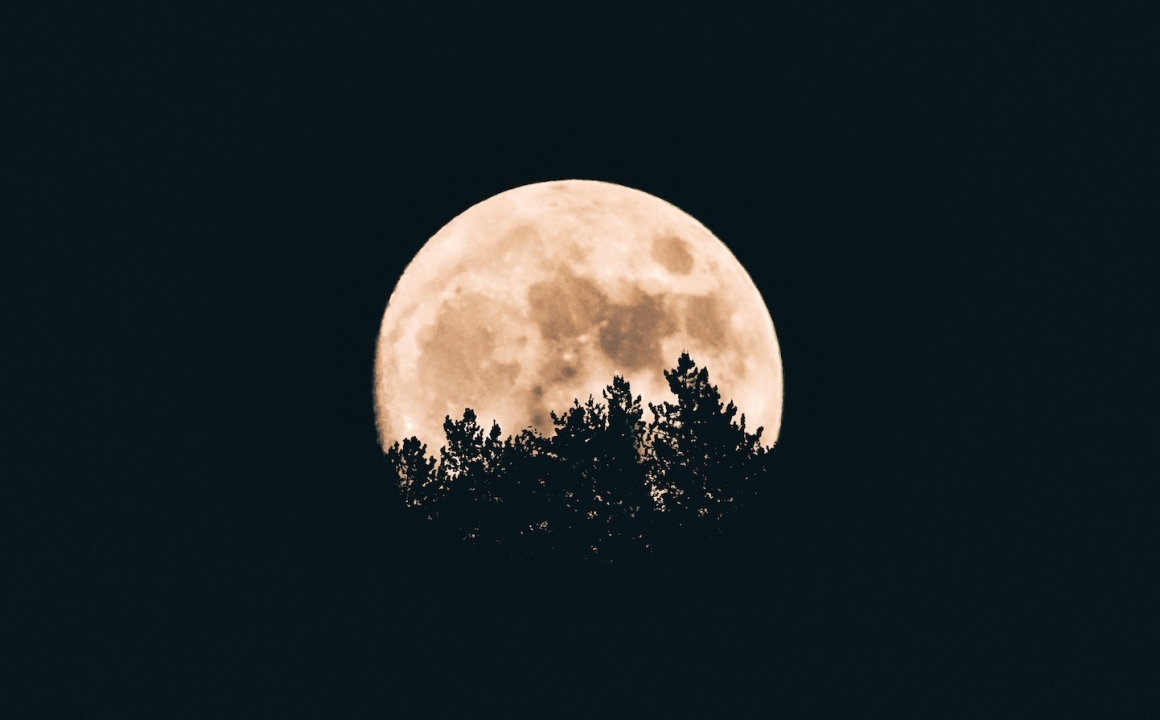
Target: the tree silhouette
pixel 416 472
pixel 701 463
pixel 604 484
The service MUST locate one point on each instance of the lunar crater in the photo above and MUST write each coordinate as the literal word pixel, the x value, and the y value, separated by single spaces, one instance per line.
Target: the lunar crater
pixel 565 305
pixel 673 253
pixel 631 334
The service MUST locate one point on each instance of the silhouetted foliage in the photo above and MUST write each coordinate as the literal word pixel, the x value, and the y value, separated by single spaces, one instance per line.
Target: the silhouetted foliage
pixel 699 458
pixel 605 484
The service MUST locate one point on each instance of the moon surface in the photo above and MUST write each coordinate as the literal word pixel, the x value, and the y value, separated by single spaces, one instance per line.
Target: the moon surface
pixel 540 294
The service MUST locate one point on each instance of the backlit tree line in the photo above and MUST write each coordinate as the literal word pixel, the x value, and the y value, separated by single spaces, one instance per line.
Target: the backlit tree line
pixel 604 483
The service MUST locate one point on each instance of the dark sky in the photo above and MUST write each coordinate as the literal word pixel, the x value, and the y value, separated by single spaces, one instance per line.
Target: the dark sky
pixel 211 209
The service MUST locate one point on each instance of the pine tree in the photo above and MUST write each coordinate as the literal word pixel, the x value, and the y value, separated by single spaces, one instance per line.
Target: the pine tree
pixel 415 471
pixel 462 474
pixel 701 461
pixel 573 470
pixel 621 487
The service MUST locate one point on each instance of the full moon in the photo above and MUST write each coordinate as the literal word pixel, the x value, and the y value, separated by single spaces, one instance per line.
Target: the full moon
pixel 539 295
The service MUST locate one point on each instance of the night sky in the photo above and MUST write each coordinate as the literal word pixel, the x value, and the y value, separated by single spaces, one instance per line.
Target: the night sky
pixel 210 210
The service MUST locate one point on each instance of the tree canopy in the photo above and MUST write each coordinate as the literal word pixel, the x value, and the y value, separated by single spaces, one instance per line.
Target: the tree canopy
pixel 604 484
